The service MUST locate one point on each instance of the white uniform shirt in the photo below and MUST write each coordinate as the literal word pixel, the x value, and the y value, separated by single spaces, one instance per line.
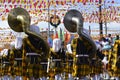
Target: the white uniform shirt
pixel 56 44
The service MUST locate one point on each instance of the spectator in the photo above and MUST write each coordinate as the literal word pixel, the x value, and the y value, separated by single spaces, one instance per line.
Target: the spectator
pixel 117 37
pixel 105 44
pixel 110 39
pixel 50 41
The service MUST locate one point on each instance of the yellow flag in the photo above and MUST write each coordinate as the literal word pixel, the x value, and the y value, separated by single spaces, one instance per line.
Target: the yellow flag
pixel 72 1
pixel 3 18
pixel 21 1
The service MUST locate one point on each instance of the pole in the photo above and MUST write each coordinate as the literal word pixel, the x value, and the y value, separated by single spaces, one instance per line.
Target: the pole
pixel 48 19
pixel 89 30
pixel 100 18
pixel 105 27
pixel 105 20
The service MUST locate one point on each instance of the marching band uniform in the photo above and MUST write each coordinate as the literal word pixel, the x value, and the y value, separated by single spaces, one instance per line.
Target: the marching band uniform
pixel 101 59
pixel 21 46
pixel 6 65
pixel 81 65
pixel 18 57
pixel 32 58
pixel 56 48
pixel 57 58
pixel 70 63
pixel 114 61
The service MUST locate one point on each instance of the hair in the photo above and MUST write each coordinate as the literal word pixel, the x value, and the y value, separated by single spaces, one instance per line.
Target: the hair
pixel 109 35
pixel 117 37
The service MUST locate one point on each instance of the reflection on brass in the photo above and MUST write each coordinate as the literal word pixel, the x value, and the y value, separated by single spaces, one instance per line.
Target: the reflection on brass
pixel 70 25
pixel 16 24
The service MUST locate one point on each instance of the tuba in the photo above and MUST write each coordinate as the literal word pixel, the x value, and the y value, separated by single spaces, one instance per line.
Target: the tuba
pixel 19 21
pixel 34 49
pixel 73 22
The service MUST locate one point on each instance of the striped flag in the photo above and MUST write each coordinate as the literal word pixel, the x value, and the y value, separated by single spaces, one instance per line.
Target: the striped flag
pixel 67 37
pixel 9 1
pixel 90 0
pixel 55 34
pixel 61 34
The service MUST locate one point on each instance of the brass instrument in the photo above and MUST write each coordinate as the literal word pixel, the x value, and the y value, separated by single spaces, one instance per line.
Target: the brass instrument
pixel 19 21
pixel 73 22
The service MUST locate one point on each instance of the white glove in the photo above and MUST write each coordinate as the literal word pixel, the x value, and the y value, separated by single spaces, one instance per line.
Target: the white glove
pixel 69 48
pixel 105 61
pixel 4 52
pixel 18 42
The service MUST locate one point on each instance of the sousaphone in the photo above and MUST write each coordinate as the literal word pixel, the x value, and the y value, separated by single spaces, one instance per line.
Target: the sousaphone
pixel 19 20
pixel 73 22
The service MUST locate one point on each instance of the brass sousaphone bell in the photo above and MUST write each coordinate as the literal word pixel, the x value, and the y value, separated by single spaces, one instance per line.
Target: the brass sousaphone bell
pixel 14 23
pixel 71 25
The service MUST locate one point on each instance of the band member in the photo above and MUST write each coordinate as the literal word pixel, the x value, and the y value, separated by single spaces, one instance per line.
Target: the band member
pixel 57 58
